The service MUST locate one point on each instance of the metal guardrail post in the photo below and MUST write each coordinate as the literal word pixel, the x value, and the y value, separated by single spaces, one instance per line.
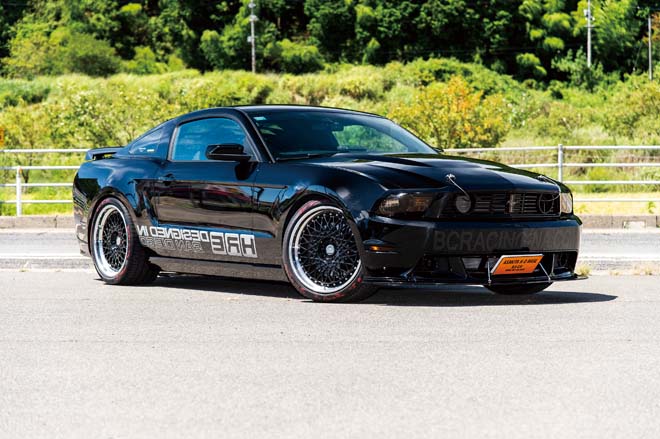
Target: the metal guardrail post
pixel 560 162
pixel 19 190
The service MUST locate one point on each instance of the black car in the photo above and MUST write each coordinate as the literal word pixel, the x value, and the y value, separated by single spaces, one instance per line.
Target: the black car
pixel 337 202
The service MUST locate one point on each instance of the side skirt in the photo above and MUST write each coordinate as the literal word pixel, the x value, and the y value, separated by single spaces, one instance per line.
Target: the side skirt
pixel 214 268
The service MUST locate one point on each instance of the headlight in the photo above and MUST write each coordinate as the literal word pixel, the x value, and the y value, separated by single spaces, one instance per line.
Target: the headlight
pixel 404 204
pixel 566 202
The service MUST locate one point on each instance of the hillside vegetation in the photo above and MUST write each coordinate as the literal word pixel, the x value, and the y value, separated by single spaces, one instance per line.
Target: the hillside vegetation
pixel 448 103
pixel 459 73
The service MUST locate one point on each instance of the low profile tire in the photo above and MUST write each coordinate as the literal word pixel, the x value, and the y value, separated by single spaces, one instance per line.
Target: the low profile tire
pixel 118 256
pixel 321 255
pixel 517 290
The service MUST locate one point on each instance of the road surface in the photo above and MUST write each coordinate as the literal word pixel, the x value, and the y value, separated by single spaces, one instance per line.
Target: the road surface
pixel 209 357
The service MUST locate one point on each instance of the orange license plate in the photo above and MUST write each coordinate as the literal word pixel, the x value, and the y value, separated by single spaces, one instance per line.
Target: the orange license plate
pixel 521 264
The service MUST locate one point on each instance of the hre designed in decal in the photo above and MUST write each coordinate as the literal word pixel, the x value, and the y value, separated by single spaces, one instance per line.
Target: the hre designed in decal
pixel 191 240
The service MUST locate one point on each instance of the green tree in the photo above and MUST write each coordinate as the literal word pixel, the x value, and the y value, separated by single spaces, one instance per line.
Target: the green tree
pixel 9 15
pixel 332 26
pixel 35 51
pixel 548 27
pixel 615 33
pixel 229 49
pixel 144 63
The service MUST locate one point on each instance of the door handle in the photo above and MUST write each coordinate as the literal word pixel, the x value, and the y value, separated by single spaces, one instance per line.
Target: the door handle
pixel 166 179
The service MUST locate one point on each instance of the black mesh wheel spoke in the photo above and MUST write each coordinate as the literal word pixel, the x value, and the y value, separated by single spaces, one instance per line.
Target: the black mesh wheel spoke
pixel 113 243
pixel 328 268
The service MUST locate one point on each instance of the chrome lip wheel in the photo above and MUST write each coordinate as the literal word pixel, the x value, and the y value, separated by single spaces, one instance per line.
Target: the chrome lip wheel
pixel 110 242
pixel 323 251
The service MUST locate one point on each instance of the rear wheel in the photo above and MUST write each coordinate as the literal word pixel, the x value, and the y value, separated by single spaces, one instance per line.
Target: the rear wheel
pixel 321 255
pixel 518 289
pixel 116 251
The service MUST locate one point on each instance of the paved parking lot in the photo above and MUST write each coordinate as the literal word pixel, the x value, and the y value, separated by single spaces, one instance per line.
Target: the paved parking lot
pixel 210 357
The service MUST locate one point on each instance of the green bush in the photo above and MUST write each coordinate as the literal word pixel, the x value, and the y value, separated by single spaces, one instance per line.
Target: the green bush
pixel 83 53
pixel 452 115
pixel 144 63
pixel 291 57
pixel 634 110
pixel 37 51
pixel 530 65
pixel 16 91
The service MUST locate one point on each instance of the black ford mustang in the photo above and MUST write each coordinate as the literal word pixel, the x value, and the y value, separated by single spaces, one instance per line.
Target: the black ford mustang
pixel 337 202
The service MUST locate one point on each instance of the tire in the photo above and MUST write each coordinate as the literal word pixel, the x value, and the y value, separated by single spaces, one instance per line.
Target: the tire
pixel 321 255
pixel 118 256
pixel 519 289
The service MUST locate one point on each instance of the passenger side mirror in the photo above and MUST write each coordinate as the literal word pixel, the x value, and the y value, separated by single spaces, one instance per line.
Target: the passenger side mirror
pixel 229 152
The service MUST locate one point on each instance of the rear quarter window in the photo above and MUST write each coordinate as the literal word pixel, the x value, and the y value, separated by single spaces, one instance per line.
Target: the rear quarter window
pixel 147 145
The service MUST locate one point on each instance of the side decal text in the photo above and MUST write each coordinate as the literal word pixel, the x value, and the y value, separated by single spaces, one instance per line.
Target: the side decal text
pixel 196 241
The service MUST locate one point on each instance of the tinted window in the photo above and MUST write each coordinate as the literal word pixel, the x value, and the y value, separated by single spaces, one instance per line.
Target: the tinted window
pixel 147 144
pixel 356 137
pixel 297 133
pixel 193 138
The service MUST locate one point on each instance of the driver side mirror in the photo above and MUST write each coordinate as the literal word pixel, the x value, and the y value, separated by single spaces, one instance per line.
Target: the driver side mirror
pixel 229 152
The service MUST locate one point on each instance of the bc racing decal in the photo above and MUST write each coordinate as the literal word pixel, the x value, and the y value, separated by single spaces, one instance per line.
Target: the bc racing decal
pixel 495 240
pixel 198 241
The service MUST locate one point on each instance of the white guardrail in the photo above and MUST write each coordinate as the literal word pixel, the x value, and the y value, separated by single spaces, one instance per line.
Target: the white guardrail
pixel 560 165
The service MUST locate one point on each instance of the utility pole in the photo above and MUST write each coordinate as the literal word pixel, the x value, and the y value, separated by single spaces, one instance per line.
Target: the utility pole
pixel 251 38
pixel 650 49
pixel 589 17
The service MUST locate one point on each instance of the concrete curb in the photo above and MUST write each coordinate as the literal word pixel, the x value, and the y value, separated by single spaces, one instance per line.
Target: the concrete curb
pixel 590 222
pixel 47 263
pixel 37 222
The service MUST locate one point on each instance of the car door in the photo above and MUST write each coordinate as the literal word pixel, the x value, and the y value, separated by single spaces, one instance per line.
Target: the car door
pixel 208 195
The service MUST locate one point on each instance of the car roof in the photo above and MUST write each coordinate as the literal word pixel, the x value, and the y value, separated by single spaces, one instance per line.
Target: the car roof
pixel 251 109
pixel 302 108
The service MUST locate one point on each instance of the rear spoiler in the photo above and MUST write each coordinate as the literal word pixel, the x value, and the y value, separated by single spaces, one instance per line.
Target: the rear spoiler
pixel 102 153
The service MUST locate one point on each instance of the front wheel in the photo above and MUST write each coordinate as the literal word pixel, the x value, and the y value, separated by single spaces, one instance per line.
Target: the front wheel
pixel 519 289
pixel 118 256
pixel 321 255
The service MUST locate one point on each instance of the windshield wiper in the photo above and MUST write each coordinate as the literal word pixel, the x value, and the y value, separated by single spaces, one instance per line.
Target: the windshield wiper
pixel 310 155
pixel 352 150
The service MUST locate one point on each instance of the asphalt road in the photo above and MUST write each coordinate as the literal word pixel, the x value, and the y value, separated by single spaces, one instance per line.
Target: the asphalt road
pixel 208 357
pixel 601 249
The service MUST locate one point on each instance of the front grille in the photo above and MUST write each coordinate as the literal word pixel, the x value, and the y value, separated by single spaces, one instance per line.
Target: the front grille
pixel 508 204
pixel 475 267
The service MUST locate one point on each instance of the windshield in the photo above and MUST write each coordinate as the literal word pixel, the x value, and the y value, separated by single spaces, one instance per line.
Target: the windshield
pixel 302 134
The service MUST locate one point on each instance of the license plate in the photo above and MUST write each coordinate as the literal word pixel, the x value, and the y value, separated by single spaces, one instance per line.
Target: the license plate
pixel 516 264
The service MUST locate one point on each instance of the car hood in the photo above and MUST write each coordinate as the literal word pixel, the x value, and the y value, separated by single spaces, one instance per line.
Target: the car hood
pixel 408 171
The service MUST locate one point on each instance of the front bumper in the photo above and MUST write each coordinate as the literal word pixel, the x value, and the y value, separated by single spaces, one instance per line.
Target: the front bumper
pixel 424 253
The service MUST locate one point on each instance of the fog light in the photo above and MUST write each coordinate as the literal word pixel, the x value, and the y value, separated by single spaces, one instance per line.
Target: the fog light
pixel 471 263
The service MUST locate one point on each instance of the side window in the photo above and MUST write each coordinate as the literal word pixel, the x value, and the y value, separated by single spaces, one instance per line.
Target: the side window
pixel 147 144
pixel 194 137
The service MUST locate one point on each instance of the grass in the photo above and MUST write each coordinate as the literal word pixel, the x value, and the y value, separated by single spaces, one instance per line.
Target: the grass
pixel 38 193
pixel 618 208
